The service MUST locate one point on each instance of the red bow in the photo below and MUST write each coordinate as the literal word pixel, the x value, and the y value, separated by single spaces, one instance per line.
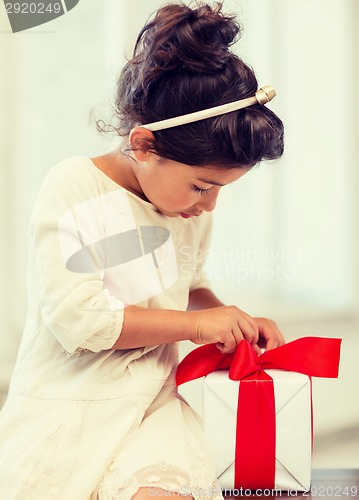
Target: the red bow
pixel 255 434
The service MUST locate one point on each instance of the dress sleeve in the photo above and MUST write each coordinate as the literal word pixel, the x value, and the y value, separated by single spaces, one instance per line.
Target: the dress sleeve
pixel 66 225
pixel 199 278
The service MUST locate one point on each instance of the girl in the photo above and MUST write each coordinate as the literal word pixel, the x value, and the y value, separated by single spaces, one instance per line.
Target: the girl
pixel 115 276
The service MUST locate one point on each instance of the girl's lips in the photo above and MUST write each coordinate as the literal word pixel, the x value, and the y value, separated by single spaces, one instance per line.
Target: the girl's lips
pixel 187 216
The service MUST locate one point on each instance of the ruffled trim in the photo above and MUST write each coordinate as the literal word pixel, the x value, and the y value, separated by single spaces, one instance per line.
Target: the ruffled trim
pixel 100 341
pixel 105 339
pixel 169 478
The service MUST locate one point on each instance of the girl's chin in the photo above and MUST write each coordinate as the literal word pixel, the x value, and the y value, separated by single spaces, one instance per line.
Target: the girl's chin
pixel 184 215
pixel 167 213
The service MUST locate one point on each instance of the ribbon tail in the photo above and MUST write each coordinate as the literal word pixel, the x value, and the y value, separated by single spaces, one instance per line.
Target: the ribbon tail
pixel 255 434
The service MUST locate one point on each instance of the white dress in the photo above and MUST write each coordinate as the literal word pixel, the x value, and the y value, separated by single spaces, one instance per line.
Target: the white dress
pixel 83 421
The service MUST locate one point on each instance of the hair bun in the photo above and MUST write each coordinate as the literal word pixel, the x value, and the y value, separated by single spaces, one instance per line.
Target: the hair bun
pixel 194 40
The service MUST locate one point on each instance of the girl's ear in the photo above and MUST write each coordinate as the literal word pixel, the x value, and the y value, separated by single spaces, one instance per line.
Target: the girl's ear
pixel 141 143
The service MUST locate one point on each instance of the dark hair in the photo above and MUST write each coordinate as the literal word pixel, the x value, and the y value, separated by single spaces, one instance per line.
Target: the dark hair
pixel 181 64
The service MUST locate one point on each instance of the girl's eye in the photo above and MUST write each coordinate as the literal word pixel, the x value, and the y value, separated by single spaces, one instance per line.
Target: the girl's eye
pixel 199 190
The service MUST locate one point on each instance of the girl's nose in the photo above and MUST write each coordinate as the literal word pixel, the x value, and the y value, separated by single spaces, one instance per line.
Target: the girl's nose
pixel 209 201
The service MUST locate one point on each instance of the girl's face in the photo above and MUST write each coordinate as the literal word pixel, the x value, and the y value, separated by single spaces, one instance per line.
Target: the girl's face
pixel 176 189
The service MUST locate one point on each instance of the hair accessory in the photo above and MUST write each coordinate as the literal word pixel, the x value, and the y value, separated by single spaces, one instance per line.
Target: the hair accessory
pixel 262 96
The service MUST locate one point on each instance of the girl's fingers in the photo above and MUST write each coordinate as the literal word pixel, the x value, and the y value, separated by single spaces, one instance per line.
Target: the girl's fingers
pixel 246 328
pixel 229 347
pixel 260 332
pixel 249 329
pixel 224 348
pixel 272 343
pixel 231 341
pixel 257 349
pixel 270 336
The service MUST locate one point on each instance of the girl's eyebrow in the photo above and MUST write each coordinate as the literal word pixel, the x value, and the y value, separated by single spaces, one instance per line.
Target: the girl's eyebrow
pixel 207 181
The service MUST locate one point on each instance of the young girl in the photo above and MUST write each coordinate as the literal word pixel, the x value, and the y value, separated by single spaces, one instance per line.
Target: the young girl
pixel 115 277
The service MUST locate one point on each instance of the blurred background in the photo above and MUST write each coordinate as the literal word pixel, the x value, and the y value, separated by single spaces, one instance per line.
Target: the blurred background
pixel 286 238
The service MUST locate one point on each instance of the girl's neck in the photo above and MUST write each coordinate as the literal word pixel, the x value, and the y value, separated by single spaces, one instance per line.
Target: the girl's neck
pixel 120 169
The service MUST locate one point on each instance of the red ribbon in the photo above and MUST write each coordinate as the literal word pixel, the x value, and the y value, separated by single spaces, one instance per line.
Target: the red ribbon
pixel 256 427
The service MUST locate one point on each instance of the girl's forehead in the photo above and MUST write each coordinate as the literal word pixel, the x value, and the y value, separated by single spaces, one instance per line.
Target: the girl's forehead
pixel 218 176
pixel 208 174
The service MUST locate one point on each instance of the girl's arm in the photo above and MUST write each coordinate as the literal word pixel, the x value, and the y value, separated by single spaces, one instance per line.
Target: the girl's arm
pixel 226 326
pixel 144 327
pixel 162 326
pixel 202 298
pixel 208 322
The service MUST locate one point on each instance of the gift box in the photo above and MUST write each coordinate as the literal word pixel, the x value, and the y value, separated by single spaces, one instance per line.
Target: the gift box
pixel 293 431
pixel 257 410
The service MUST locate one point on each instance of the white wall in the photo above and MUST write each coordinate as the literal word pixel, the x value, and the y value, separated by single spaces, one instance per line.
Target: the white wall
pixel 54 76
pixel 302 208
pixel 286 236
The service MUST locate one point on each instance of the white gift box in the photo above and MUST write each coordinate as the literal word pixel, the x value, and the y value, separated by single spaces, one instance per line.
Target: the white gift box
pixel 293 427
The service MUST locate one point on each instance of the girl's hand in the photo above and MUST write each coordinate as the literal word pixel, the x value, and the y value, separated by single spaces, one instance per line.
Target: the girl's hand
pixel 270 336
pixel 226 326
